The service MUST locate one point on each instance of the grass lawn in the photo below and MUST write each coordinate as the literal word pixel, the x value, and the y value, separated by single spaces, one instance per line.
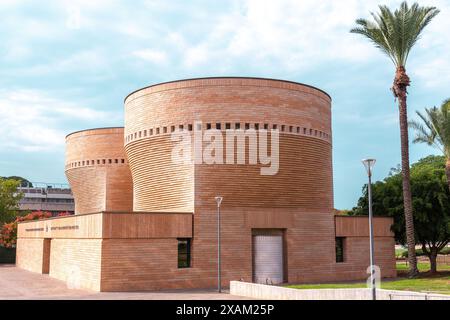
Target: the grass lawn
pixel 439 283
pixel 402 267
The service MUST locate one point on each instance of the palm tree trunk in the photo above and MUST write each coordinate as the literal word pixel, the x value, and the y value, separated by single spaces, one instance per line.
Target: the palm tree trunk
pixel 447 172
pixel 401 83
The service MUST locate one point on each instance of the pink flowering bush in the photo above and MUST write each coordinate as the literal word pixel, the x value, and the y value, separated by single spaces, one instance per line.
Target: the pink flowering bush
pixel 8 232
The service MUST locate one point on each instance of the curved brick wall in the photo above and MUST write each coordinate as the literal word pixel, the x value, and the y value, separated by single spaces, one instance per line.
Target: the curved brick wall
pixel 98 171
pixel 301 113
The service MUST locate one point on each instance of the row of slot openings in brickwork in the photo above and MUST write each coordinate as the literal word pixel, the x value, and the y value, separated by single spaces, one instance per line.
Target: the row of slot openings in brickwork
pixel 228 126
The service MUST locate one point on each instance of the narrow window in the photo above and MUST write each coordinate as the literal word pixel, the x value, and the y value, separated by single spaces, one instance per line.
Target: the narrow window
pixel 164 129
pixel 190 127
pixel 218 126
pixel 256 126
pixel 184 253
pixel 181 127
pixel 145 133
pixel 140 134
pixel 208 126
pixel 274 127
pixel 104 161
pixel 298 129
pixel 247 126
pixel 283 127
pixel 339 249
pixel 237 126
pixel 157 130
pixel 266 126
pixel 227 125
pixel 123 160
pixel 291 128
pixel 116 160
pixel 151 132
pixel 172 128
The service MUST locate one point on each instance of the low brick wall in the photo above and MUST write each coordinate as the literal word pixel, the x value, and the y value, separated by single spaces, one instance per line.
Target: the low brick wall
pixel 260 291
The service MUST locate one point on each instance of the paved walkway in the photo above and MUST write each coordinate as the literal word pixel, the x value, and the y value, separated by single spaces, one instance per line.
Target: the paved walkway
pixel 16 283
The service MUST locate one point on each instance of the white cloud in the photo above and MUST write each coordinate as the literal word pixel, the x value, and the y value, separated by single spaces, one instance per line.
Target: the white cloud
pixel 34 121
pixel 151 55
pixel 434 73
pixel 293 34
pixel 430 61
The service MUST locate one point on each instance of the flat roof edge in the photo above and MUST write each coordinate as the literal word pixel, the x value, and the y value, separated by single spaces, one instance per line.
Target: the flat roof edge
pixel 228 77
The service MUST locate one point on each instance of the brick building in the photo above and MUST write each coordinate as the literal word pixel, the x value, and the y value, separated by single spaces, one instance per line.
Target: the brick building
pixel 144 221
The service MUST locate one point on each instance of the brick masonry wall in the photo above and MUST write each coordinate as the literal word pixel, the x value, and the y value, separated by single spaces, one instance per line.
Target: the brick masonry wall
pixel 357 259
pixel 151 113
pixel 77 261
pixel 98 171
pixel 143 264
pixel 159 184
pixel 30 254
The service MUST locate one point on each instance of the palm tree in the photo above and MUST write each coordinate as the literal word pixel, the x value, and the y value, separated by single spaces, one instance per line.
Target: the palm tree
pixel 395 33
pixel 435 131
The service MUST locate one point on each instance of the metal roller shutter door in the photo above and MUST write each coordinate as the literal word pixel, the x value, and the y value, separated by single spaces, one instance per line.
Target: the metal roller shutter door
pixel 268 258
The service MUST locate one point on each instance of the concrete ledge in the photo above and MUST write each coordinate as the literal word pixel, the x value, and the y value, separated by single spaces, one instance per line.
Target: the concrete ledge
pixel 260 291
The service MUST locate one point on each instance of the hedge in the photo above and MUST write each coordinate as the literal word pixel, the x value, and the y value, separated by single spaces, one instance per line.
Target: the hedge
pixel 7 255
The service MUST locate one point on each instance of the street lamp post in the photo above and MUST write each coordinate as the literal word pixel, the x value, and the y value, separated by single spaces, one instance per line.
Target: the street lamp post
pixel 369 164
pixel 219 280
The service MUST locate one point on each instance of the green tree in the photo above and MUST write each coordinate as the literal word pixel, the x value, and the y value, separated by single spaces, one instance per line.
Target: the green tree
pixel 431 203
pixel 434 130
pixel 23 182
pixel 9 199
pixel 396 33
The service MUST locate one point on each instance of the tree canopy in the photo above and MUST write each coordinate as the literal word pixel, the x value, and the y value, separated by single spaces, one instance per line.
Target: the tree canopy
pixel 23 182
pixel 9 199
pixel 431 202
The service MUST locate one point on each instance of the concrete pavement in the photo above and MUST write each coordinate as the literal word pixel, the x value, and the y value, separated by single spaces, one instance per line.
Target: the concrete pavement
pixel 17 284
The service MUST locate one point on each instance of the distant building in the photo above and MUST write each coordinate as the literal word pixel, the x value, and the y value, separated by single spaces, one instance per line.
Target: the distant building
pixel 54 198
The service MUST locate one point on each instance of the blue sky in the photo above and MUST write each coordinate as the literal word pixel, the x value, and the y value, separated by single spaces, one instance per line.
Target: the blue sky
pixel 67 65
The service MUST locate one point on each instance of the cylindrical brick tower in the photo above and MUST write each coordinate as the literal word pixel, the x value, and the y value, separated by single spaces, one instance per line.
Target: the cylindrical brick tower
pixel 98 171
pixel 301 113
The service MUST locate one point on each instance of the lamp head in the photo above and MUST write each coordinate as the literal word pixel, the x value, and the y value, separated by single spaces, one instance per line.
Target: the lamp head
pixel 218 200
pixel 369 164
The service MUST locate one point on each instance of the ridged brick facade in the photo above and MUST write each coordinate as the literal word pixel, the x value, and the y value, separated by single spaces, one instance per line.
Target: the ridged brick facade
pixel 98 171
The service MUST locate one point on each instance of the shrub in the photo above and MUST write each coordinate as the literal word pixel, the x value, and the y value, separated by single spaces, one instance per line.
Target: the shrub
pixel 63 214
pixel 8 232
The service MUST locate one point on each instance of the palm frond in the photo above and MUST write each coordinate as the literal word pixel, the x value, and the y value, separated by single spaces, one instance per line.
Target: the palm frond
pixel 395 33
pixel 434 127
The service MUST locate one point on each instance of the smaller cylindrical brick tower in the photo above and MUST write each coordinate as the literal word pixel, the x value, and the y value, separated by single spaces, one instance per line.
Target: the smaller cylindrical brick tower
pixel 98 171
